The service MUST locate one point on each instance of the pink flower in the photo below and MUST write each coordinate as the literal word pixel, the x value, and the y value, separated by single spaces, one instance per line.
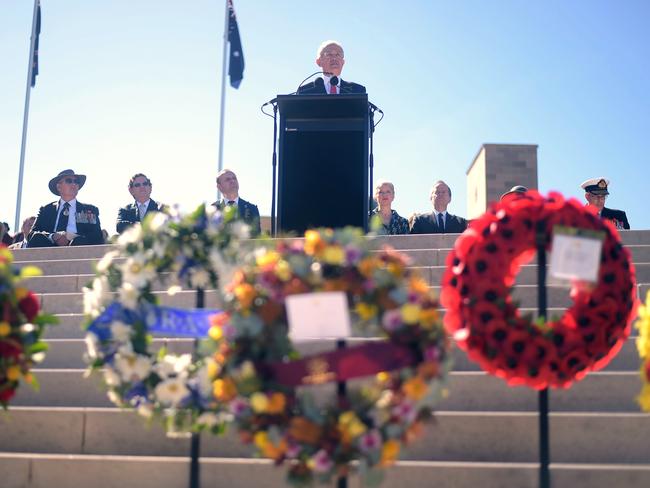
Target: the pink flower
pixel 392 320
pixel 238 406
pixel 404 411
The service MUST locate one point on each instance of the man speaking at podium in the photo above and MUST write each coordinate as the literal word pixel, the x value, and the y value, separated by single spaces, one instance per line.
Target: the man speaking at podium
pixel 330 59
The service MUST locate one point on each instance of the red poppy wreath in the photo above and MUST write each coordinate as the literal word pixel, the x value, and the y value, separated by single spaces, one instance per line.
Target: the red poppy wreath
pixel 484 318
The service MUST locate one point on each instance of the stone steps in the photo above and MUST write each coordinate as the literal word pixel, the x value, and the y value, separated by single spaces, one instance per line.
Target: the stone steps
pixel 456 436
pixel 485 433
pixel 74 471
pixel 608 391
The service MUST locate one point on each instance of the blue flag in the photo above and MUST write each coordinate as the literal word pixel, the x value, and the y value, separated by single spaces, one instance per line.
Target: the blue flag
pixel 35 53
pixel 236 58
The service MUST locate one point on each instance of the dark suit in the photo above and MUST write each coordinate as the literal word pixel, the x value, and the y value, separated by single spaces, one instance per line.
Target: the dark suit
pixel 618 216
pixel 347 87
pixel 89 229
pixel 129 215
pixel 248 212
pixel 428 224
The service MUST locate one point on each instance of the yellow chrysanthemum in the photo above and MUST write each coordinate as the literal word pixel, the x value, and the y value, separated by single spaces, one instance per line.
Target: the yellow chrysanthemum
pixel 389 452
pixel 13 373
pixel 21 293
pixel 334 255
pixel 6 256
pixel 415 388
pixel 366 311
pixel 382 377
pixel 5 329
pixel 245 294
pixel 410 313
pixel 428 317
pixel 644 398
pixel 261 439
pixel 215 332
pixel 350 425
pixel 313 242
pixel 396 269
pixel 259 402
pixel 283 270
pixel 268 258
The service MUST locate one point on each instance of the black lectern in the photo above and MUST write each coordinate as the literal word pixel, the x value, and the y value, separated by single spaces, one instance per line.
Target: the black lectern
pixel 323 161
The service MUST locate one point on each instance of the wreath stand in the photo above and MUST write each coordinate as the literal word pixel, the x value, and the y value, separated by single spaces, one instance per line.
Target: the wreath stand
pixel 341 390
pixel 195 439
pixel 544 448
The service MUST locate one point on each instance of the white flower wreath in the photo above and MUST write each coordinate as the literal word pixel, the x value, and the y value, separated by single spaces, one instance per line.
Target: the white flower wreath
pixel 190 252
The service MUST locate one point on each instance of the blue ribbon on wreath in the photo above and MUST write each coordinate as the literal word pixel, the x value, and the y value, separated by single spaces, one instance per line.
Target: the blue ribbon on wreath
pixel 167 321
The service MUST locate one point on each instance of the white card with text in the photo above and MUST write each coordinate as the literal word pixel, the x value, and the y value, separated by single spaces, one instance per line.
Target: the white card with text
pixel 575 257
pixel 318 316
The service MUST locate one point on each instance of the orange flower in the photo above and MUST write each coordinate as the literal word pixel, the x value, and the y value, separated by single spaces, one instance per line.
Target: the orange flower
pixel 245 294
pixel 415 388
pixel 418 285
pixel 428 317
pixel 428 369
pixel 313 243
pixel 219 319
pixel 267 447
pixel 224 390
pixel 277 403
pixel 389 452
pixel 367 266
pixel 303 430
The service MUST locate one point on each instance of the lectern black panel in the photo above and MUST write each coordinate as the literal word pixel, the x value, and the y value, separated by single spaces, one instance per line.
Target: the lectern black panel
pixel 321 180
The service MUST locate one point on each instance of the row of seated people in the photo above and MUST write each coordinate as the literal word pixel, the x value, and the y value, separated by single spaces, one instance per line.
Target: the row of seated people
pixel 54 227
pixel 440 221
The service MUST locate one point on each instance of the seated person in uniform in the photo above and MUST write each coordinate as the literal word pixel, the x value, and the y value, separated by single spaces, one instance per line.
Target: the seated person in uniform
pixel 392 222
pixel 66 222
pixel 439 221
pixel 596 193
pixel 228 185
pixel 330 58
pixel 140 189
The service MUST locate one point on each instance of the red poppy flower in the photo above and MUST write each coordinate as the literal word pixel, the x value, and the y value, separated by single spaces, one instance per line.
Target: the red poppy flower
pixel 29 306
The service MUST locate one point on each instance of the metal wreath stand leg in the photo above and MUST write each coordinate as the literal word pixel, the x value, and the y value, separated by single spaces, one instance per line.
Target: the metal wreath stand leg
pixel 341 390
pixel 544 448
pixel 195 439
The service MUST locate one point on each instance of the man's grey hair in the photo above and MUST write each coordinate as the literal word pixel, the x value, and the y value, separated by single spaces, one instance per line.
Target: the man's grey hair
pixel 223 172
pixel 436 184
pixel 324 44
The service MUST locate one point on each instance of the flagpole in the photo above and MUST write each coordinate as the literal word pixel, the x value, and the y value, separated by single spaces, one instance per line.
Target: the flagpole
pixel 23 144
pixel 223 91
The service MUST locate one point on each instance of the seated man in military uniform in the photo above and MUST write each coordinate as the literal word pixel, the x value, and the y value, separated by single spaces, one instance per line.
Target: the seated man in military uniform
pixel 140 189
pixel 596 193
pixel 228 185
pixel 66 222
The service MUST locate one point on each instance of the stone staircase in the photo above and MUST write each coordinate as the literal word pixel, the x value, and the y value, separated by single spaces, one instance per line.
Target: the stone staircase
pixel 485 434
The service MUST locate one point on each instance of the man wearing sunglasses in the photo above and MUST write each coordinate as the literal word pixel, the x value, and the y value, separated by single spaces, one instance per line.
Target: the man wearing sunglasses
pixel 330 58
pixel 66 222
pixel 140 190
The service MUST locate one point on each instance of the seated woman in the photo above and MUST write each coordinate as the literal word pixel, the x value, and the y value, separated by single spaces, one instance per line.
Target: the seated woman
pixel 392 222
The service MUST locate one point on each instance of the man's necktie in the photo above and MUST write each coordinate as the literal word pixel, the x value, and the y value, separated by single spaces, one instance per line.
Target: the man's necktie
pixel 63 218
pixel 142 210
pixel 332 89
pixel 441 222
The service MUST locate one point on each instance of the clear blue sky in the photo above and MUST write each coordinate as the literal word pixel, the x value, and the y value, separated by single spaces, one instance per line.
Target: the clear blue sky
pixel 133 86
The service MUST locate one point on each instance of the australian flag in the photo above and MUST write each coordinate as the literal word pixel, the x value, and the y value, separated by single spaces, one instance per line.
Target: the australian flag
pixel 37 34
pixel 236 59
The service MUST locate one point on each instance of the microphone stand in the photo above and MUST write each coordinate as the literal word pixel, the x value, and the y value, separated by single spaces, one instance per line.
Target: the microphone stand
pixel 371 156
pixel 274 164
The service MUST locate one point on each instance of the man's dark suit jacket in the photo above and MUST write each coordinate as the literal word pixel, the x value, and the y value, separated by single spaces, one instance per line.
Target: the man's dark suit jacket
pixel 616 215
pixel 130 214
pixel 347 87
pixel 89 229
pixel 428 224
pixel 248 212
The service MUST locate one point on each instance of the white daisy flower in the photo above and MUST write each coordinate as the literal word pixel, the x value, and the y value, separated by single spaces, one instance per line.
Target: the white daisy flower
pixel 132 367
pixel 171 391
pixel 120 331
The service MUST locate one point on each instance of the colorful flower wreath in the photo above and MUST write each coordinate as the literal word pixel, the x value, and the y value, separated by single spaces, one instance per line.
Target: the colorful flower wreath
pixel 485 320
pixel 643 345
pixel 21 328
pixel 260 370
pixel 121 307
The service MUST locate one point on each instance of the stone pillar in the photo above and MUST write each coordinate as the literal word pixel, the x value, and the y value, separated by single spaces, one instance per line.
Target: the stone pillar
pixel 497 168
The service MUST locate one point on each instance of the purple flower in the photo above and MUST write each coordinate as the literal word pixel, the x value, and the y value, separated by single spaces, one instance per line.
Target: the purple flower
pixel 405 411
pixel 322 463
pixel 238 406
pixel 370 441
pixel 352 254
pixel 293 450
pixel 432 354
pixel 392 320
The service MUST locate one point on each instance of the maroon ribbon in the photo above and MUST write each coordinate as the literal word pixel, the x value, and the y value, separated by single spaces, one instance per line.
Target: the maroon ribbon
pixel 342 364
